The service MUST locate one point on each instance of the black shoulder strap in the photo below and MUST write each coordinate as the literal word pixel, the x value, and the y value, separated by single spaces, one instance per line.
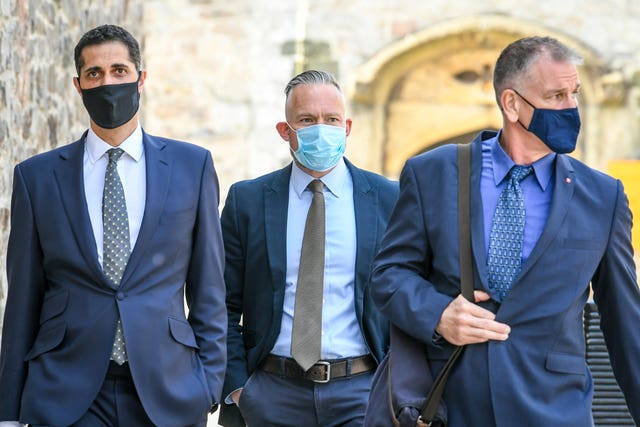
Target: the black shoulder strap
pixel 464 220
pixel 430 407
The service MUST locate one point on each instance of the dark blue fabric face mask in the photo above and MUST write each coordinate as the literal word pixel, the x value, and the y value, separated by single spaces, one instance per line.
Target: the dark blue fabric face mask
pixel 558 129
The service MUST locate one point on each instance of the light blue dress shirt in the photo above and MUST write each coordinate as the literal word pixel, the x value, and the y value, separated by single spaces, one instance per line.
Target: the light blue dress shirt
pixel 341 335
pixel 537 189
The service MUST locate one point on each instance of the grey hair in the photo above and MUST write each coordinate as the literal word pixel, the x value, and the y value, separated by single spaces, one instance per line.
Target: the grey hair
pixel 311 77
pixel 514 61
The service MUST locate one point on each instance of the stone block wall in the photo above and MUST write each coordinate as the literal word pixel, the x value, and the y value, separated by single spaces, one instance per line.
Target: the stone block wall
pixel 39 106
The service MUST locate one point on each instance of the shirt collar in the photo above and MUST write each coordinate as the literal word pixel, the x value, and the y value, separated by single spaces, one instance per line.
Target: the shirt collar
pixel 96 147
pixel 502 164
pixel 334 180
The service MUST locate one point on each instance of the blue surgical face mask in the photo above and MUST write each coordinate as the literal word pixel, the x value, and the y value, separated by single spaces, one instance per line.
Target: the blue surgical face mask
pixel 558 129
pixel 320 147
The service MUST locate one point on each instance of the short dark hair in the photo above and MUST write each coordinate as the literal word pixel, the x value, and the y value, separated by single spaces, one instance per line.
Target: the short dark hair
pixel 514 61
pixel 105 34
pixel 311 77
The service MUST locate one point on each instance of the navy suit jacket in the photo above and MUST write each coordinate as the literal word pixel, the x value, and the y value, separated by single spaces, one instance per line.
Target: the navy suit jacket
pixel 254 225
pixel 61 311
pixel 539 375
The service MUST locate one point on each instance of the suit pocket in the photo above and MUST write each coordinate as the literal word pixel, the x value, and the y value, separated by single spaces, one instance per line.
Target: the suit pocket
pixel 53 305
pixel 177 216
pixel 47 339
pixel 582 244
pixel 566 363
pixel 182 332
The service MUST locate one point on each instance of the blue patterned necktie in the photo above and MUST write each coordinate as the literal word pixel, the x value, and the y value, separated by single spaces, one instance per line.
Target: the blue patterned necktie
pixel 507 232
pixel 116 240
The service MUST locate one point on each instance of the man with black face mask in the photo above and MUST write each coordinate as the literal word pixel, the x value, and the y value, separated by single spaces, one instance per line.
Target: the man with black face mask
pixel 108 235
pixel 544 226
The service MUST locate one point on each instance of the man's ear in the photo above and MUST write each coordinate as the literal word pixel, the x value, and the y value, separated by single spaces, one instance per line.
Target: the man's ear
pixel 143 76
pixel 76 83
pixel 509 105
pixel 348 122
pixel 284 130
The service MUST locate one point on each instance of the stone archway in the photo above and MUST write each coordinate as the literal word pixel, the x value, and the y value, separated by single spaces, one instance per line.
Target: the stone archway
pixel 436 86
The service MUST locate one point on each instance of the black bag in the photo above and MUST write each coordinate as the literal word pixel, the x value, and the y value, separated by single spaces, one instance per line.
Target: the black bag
pixel 403 392
pixel 400 385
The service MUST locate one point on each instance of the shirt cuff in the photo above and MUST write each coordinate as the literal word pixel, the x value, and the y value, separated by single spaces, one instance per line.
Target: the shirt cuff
pixel 228 400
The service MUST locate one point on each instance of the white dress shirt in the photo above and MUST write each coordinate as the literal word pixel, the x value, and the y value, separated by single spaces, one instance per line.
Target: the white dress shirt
pixel 132 171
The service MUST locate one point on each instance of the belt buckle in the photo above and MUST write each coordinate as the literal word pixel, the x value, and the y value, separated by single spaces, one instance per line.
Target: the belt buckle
pixel 327 370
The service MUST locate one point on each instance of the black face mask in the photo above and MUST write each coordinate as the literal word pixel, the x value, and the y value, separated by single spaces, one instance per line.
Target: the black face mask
pixel 111 106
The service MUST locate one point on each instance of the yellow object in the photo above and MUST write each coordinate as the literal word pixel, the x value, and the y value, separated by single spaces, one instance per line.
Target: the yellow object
pixel 628 171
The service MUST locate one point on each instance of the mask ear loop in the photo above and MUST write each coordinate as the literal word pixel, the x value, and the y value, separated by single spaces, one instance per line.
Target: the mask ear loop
pixel 530 104
pixel 291 127
pixel 296 132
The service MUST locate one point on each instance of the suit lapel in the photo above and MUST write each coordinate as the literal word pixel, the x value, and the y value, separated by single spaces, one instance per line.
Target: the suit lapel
pixel 562 193
pixel 365 207
pixel 158 167
pixel 276 203
pixel 70 180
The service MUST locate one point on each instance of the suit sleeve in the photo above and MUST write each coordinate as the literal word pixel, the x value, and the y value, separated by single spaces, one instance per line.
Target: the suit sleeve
pixel 26 280
pixel 617 296
pixel 204 289
pixel 399 283
pixel 237 373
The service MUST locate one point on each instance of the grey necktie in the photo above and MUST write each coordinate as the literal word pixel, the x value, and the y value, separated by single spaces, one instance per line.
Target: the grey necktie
pixel 306 338
pixel 116 243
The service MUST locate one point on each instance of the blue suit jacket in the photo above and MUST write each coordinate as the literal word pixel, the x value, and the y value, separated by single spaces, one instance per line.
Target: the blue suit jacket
pixel 254 225
pixel 61 312
pixel 539 375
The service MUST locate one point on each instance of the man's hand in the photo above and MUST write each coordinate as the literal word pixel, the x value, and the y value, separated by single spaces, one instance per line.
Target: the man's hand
pixel 463 322
pixel 235 396
pixel 11 424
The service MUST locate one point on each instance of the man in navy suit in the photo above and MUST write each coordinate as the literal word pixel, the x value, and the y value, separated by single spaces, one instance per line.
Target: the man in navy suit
pixel 85 346
pixel 262 223
pixel 524 361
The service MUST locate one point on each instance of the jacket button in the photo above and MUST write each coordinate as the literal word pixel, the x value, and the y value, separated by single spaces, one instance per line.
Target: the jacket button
pixel 120 296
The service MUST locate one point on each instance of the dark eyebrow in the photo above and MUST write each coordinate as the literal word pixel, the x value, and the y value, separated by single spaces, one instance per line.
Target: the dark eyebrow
pixel 112 66
pixel 90 69
pixel 118 65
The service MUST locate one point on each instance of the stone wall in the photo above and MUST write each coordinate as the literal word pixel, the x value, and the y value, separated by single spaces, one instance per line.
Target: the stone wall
pixel 39 107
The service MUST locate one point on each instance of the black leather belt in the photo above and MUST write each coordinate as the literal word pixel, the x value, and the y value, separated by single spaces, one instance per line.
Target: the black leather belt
pixel 322 372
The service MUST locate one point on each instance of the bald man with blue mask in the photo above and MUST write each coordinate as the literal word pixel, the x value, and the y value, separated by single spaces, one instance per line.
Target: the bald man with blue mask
pixel 271 379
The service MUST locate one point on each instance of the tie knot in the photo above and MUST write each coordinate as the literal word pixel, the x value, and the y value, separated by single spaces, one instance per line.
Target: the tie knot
pixel 518 173
pixel 115 154
pixel 316 186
